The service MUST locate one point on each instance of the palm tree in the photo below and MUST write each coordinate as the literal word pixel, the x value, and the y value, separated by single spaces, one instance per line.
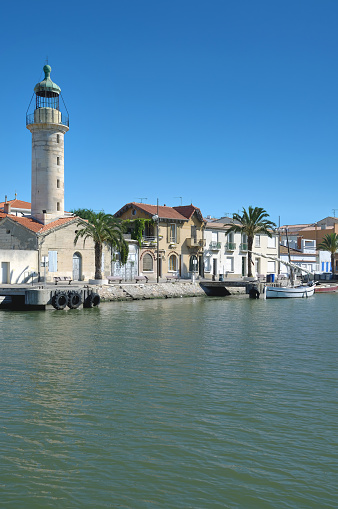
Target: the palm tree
pixel 102 228
pixel 252 222
pixel 330 244
pixel 83 213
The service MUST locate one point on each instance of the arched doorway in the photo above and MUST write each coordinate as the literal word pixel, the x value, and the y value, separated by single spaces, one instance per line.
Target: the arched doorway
pixel 77 267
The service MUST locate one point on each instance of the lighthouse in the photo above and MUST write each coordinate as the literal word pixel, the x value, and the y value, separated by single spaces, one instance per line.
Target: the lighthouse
pixel 48 127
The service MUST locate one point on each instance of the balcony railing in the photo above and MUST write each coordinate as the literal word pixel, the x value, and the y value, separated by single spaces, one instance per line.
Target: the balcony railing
pixel 216 246
pixel 243 247
pixel 150 241
pixel 30 119
pixel 230 246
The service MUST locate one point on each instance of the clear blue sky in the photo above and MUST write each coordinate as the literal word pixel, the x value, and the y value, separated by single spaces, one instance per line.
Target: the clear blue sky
pixel 223 103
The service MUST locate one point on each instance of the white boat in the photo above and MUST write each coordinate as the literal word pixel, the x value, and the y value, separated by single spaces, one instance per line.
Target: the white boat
pixel 277 292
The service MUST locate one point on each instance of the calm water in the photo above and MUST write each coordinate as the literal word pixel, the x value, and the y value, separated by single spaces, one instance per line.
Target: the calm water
pixel 184 403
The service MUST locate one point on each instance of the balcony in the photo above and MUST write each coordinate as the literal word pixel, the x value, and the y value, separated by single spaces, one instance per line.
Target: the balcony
pixel 215 246
pixel 150 241
pixel 192 242
pixel 230 246
pixel 243 247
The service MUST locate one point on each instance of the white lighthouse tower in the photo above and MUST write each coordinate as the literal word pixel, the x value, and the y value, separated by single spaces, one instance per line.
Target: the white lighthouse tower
pixel 48 127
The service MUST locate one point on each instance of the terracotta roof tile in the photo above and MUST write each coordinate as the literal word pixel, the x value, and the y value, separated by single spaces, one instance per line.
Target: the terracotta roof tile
pixel 17 204
pixel 188 210
pixel 163 211
pixel 35 226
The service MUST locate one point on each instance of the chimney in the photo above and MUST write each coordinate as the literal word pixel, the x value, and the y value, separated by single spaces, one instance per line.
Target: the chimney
pixel 7 206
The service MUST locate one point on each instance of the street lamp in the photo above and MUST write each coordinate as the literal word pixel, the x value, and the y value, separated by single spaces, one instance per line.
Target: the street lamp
pixel 156 219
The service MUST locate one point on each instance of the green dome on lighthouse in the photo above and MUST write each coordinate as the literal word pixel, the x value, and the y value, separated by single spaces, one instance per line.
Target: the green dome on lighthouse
pixel 46 87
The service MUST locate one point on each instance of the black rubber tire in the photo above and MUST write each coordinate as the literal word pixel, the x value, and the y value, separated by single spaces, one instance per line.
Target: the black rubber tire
pixel 92 300
pixel 59 300
pixel 95 299
pixel 74 300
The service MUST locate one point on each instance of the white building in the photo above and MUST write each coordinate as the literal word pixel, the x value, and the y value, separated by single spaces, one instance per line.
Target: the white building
pixel 226 254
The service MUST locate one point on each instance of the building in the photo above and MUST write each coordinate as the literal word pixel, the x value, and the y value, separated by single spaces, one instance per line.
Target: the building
pixel 305 238
pixel 226 253
pixel 180 234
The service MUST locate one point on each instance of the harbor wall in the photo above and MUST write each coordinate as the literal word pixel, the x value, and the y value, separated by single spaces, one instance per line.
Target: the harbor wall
pixel 149 291
pixel 113 292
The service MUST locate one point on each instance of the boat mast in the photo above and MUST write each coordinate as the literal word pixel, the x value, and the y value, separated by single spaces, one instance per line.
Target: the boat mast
pixel 292 279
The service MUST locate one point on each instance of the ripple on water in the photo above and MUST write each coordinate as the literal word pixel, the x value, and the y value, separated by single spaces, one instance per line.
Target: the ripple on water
pixel 200 403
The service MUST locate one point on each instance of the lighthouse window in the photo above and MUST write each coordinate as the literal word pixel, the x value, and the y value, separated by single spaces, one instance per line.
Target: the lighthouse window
pixel 57 138
pixel 58 161
pixel 58 183
pixel 58 205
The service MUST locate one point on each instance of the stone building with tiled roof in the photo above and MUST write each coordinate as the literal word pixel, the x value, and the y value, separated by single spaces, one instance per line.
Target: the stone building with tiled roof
pixel 31 251
pixel 181 239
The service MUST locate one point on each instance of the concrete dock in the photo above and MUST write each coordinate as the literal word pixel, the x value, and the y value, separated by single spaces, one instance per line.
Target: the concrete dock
pixel 47 296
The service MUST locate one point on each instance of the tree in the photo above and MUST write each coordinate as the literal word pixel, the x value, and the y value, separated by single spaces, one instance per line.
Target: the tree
pixel 252 222
pixel 330 244
pixel 83 213
pixel 102 228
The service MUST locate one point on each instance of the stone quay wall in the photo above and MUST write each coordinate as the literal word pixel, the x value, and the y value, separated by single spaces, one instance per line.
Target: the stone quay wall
pixel 114 292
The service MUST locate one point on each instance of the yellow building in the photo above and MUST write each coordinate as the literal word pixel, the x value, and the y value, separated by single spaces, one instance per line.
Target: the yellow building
pixel 181 239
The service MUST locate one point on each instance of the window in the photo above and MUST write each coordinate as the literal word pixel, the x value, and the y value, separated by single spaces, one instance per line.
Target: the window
pixel 214 237
pixel 57 138
pixel 257 241
pixel 58 183
pixel 272 242
pixel 147 263
pixel 271 267
pixel 172 232
pixel 58 206
pixel 173 263
pixel 194 233
pixel 58 161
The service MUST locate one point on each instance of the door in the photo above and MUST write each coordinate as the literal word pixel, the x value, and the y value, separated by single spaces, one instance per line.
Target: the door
pixel 243 266
pixel 5 272
pixel 77 267
pixel 214 266
pixel 201 266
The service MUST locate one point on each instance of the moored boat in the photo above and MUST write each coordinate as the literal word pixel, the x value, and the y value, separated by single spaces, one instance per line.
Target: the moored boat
pixel 276 292
pixel 326 288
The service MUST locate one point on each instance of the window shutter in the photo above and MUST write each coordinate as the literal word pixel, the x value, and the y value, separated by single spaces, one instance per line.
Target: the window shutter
pixel 52 261
pixel 178 229
pixel 168 233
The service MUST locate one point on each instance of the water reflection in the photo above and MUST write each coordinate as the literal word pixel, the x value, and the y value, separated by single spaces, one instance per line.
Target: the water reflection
pixel 170 403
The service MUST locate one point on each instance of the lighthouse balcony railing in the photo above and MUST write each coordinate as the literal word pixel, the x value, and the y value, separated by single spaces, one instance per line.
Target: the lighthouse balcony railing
pixel 30 119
